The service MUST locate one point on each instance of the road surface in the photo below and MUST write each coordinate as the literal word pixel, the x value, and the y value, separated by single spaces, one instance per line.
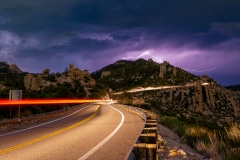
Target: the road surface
pixel 110 134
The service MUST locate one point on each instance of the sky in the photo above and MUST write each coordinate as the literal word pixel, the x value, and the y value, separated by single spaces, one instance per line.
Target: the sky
pixel 200 36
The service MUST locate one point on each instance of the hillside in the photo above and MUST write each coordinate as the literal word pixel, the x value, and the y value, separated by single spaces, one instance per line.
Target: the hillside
pixel 233 87
pixel 124 75
pixel 198 99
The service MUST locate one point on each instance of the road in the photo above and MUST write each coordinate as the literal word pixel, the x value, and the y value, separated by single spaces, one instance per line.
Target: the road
pixel 102 137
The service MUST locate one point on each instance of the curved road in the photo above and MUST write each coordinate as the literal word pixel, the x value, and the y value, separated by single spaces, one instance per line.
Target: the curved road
pixel 110 134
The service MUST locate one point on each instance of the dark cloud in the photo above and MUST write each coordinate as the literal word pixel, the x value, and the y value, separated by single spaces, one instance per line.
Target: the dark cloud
pixel 189 34
pixel 225 29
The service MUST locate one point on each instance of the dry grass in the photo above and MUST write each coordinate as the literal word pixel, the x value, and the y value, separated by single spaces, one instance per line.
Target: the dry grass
pixel 233 134
pixel 211 149
pixel 196 131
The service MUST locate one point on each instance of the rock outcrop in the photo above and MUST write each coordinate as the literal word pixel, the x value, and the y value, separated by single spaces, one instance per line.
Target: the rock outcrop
pixel 46 72
pixel 174 71
pixel 28 80
pixel 105 73
pixel 203 98
pixel 14 68
pixel 163 69
pixel 36 82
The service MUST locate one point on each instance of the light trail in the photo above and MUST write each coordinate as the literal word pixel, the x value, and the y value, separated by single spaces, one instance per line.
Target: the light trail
pixel 4 102
pixel 140 89
pixel 193 70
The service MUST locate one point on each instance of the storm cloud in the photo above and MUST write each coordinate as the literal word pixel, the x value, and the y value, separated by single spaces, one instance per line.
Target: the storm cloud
pixel 200 36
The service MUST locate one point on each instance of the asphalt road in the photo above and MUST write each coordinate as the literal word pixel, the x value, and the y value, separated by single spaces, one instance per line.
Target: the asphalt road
pixel 102 137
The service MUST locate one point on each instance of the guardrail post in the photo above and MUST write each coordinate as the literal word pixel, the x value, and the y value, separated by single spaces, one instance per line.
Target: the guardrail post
pixel 139 151
pixel 151 152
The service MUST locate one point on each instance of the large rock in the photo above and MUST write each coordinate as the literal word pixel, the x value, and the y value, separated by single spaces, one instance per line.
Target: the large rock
pixel 174 71
pixel 46 72
pixel 198 92
pixel 105 73
pixel 36 82
pixel 33 83
pixel 14 68
pixel 27 81
pixel 86 73
pixel 163 69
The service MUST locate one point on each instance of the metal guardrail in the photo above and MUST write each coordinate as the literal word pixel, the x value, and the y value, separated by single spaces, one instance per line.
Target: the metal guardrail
pixel 33 119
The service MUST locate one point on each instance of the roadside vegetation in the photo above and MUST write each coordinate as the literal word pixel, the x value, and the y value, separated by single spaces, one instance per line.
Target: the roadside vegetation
pixel 215 144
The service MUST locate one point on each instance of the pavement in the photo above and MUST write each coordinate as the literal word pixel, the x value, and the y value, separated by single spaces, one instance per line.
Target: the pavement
pixel 74 143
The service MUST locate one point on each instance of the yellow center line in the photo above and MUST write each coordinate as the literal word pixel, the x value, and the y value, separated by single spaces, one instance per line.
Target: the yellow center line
pixel 48 135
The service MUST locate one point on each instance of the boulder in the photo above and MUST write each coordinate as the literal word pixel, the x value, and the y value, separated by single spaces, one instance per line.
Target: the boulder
pixel 46 72
pixel 27 81
pixel 150 60
pixel 105 73
pixel 36 82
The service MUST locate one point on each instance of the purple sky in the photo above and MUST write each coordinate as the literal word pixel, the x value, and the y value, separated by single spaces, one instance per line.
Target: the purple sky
pixel 194 35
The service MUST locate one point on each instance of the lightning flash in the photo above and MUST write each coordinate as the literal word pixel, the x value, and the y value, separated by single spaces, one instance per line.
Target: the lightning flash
pixel 159 59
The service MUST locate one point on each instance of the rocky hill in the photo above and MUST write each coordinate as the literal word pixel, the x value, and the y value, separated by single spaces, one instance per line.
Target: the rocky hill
pixel 11 77
pixel 197 99
pixel 39 81
pixel 6 68
pixel 124 75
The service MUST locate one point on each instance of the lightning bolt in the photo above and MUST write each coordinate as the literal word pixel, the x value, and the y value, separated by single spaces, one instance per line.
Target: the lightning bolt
pixel 161 61
pixel 143 54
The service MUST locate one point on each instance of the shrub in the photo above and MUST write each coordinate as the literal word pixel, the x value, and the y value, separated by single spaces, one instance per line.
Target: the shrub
pixel 173 123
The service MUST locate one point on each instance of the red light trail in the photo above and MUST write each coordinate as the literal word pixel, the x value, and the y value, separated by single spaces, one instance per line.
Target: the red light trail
pixel 4 102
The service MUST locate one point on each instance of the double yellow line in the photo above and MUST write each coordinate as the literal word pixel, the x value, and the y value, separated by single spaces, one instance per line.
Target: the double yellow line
pixel 48 135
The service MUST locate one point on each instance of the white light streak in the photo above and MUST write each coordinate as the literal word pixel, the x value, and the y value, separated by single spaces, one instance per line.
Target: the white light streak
pixel 193 70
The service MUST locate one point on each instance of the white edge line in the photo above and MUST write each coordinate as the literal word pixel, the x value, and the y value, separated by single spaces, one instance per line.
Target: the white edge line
pixel 105 140
pixel 44 123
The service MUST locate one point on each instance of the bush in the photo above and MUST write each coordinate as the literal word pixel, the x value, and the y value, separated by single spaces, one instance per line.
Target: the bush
pixel 173 123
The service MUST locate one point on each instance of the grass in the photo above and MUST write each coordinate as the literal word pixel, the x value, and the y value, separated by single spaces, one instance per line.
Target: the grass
pixel 213 144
